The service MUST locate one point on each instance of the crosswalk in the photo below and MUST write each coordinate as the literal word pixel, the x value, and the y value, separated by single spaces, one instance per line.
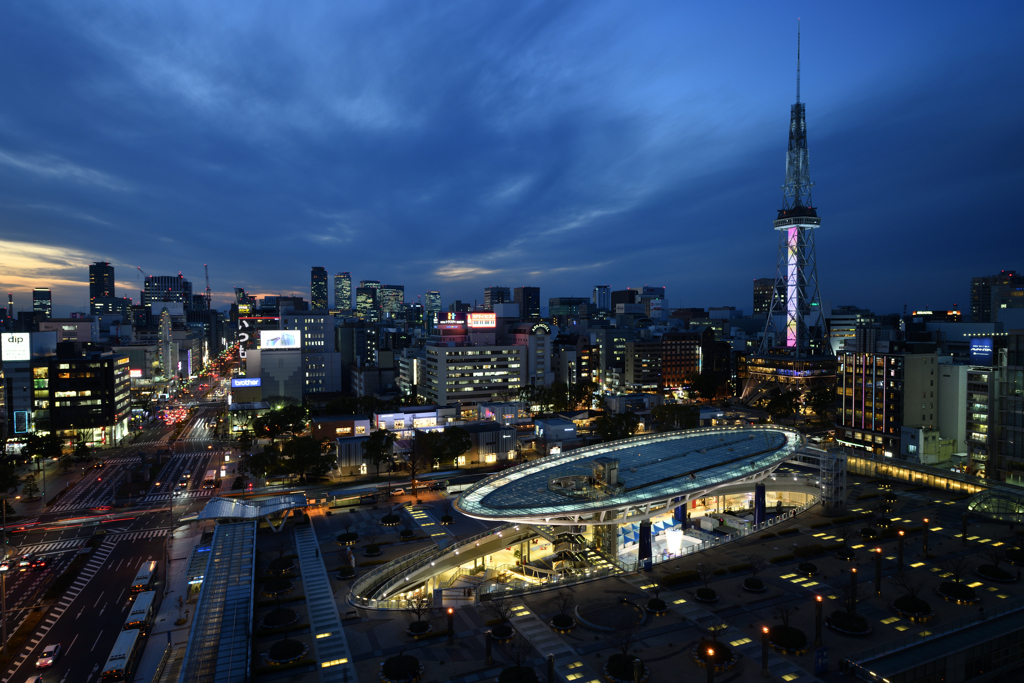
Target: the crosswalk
pixel 122 459
pixel 136 535
pixel 54 547
pixel 99 556
pixel 184 495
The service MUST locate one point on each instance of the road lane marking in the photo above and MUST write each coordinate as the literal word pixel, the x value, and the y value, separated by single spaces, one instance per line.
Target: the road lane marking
pixel 97 641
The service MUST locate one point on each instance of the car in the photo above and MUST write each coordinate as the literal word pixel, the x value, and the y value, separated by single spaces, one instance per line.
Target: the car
pixel 34 679
pixel 40 565
pixel 25 561
pixel 101 508
pixel 397 492
pixel 48 656
pixel 5 565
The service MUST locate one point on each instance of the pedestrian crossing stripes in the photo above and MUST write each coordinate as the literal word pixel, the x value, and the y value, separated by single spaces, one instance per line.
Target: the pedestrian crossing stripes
pixel 201 493
pixel 136 535
pixel 56 546
pixel 125 458
pixel 99 556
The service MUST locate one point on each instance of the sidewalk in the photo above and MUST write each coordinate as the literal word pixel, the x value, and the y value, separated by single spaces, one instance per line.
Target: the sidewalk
pixel 56 479
pixel 164 630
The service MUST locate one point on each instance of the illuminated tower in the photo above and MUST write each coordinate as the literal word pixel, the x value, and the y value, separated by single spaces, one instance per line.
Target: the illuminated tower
pixel 794 352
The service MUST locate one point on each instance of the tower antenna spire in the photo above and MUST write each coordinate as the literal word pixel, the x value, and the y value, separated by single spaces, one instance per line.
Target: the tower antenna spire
pixel 798 60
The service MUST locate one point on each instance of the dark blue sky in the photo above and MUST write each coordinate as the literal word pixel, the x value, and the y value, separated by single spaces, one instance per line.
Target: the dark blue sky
pixel 455 145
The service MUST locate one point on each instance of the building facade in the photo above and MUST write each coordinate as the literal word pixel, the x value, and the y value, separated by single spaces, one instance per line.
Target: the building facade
pixel 318 289
pixel 343 291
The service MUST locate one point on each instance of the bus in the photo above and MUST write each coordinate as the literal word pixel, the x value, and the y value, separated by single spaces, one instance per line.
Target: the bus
pixel 141 614
pixel 121 663
pixel 145 578
pixel 210 480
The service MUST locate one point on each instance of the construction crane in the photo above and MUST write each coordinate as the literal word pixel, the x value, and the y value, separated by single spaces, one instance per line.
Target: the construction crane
pixel 208 295
pixel 139 268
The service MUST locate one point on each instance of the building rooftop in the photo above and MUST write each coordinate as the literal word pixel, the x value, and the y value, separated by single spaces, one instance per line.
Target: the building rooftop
pixel 650 469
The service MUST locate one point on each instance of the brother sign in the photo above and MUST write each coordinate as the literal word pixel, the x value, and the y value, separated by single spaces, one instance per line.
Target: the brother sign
pixel 16 346
pixel 245 382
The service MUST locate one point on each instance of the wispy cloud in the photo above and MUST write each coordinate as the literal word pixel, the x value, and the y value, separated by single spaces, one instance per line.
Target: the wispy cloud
pixel 50 166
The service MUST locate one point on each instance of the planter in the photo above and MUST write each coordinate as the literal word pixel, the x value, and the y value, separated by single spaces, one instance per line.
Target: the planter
pixel 347 539
pixel 951 591
pixel 401 669
pixel 372 551
pixel 563 623
pixel 517 674
pixel 1015 556
pixel 447 519
pixel 619 669
pixel 990 572
pixel 808 568
pixel 281 565
pixel 788 640
pixel 706 595
pixel 284 651
pixel 346 573
pixel 754 585
pixel 913 609
pixel 845 554
pixel 279 618
pixel 276 587
pixel 406 534
pixel 869 534
pixel 503 633
pixel 723 659
pixel 840 622
pixel 390 520
pixel 420 629
pixel 657 607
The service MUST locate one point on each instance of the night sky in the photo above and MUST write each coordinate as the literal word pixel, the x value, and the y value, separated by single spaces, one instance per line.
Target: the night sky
pixel 456 145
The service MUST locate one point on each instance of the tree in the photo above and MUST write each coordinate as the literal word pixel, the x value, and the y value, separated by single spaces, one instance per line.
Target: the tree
pixel 995 556
pixel 617 426
pixel 308 457
pixel 272 424
pixel 82 452
pixel 957 568
pixel 30 489
pixel 757 564
pixel 626 635
pixel 67 460
pixel 420 604
pixel 259 465
pixel 822 400
pixel 564 600
pixel 421 458
pixel 48 446
pixel 706 571
pixel 783 404
pixel 706 385
pixel 501 605
pixel 910 585
pixel 378 447
pixel 676 416
pixel 518 650
pixel 454 442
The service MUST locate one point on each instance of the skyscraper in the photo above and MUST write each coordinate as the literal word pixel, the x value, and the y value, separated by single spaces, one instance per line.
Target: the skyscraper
pixel 392 299
pixel 42 302
pixel 367 305
pixel 982 289
pixel 318 289
pixel 602 297
pixel 528 299
pixel 496 295
pixel 101 280
pixel 432 301
pixel 166 288
pixel 763 288
pixel 343 291
pixel 794 352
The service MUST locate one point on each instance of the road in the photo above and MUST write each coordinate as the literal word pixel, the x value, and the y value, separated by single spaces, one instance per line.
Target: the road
pixel 86 618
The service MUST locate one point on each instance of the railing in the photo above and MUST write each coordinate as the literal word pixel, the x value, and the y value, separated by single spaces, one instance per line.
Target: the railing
pixel 856 661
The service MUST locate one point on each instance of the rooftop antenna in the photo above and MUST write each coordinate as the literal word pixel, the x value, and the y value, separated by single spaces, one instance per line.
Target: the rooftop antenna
pixel 798 60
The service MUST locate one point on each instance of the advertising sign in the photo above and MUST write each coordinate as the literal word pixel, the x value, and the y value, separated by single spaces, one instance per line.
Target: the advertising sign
pixel 451 320
pixel 16 346
pixel 135 374
pixel 981 351
pixel 280 339
pixel 21 424
pixel 482 320
pixel 237 382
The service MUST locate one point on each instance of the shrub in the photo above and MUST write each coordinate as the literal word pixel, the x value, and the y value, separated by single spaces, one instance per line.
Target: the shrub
pixel 808 567
pixel 740 567
pixel 821 525
pixel 957 591
pixel 753 584
pixel 993 572
pixel 723 653
pixel 808 550
pixel 911 604
pixel 400 666
pixel 787 532
pixel 517 674
pixel 676 578
pixel 719 572
pixel 788 637
pixel 566 621
pixel 783 558
pixel 841 620
pixel 621 666
pixel 767 534
pixel 707 594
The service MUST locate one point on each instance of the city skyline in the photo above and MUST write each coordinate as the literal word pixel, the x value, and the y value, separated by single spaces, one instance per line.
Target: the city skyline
pixel 522 167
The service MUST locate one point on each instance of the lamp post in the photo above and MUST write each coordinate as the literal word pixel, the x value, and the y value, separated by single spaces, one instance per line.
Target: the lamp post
pixel 817 620
pixel 451 632
pixel 925 538
pixel 711 665
pixel 878 572
pixel 899 552
pixel 764 652
pixel 853 591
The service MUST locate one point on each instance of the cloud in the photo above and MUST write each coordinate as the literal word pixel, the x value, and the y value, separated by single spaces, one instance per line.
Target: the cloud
pixel 50 166
pixel 28 265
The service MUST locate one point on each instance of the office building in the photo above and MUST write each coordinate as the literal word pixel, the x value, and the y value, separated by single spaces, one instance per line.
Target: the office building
pixel 367 306
pixel 567 307
pixel 643 366
pixel 318 289
pixel 763 289
pixel 392 300
pixel 471 374
pixel 343 291
pixel 101 283
pixel 1009 450
pixel 42 303
pixel 432 302
pixel 680 359
pixel 602 297
pixel 624 296
pixel 982 291
pixel 528 299
pixel 159 288
pixel 794 353
pixel 496 295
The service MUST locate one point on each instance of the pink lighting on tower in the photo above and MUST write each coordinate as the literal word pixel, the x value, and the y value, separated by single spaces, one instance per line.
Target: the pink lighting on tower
pixel 792 286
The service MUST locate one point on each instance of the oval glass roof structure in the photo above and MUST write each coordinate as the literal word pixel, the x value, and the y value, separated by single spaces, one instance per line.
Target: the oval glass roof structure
pixel 602 484
pixel 999 504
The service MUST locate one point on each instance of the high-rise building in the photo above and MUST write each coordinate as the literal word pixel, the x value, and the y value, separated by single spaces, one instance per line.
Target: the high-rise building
pixel 763 288
pixel 496 295
pixel 392 299
pixel 528 299
pixel 343 291
pixel 367 306
pixel 101 282
pixel 624 296
pixel 794 352
pixel 432 302
pixel 602 297
pixel 318 289
pixel 983 288
pixel 1009 461
pixel 42 302
pixel 567 306
pixel 166 288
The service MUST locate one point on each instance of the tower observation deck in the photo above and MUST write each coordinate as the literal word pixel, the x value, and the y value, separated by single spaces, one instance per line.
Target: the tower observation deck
pixel 794 353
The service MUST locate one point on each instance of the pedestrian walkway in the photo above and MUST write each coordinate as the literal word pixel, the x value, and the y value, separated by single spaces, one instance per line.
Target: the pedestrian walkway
pixel 91 568
pixel 135 535
pixel 183 495
pixel 51 548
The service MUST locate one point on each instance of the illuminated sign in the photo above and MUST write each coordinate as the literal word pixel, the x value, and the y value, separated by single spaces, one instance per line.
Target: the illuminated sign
pixel 981 351
pixel 16 347
pixel 478 320
pixel 451 320
pixel 280 339
pixel 21 421
pixel 245 382
pixel 135 374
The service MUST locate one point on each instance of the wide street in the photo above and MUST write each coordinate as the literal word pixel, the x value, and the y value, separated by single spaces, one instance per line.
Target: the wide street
pixel 86 617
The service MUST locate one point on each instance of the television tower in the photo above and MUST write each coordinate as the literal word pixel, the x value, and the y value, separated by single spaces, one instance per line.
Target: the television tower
pixel 794 352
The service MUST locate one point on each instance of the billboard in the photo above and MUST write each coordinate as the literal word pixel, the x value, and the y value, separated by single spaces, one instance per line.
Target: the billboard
pixel 280 339
pixel 16 346
pixel 134 374
pixel 482 320
pixel 981 351
pixel 450 319
pixel 237 382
